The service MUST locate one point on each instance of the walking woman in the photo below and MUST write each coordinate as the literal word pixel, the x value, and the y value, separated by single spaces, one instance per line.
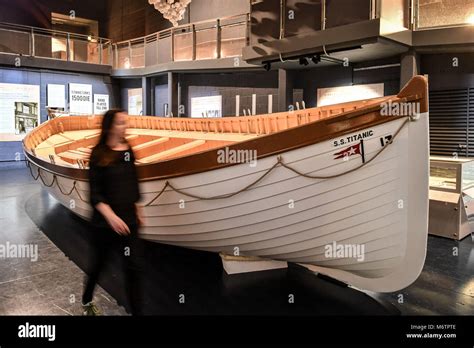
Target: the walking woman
pixel 114 193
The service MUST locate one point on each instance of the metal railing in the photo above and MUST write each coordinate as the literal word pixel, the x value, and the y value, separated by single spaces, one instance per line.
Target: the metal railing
pixel 45 43
pixel 221 38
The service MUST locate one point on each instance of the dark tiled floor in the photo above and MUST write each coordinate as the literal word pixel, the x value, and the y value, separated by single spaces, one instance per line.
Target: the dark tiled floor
pixel 446 285
pixel 52 285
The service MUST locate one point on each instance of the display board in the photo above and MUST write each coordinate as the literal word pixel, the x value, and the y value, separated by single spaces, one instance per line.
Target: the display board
pixel 101 104
pixel 19 110
pixel 206 106
pixel 80 99
pixel 56 96
pixel 336 95
pixel 135 101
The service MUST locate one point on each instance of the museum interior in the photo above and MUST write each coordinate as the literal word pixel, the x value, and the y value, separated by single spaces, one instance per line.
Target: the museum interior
pixel 281 170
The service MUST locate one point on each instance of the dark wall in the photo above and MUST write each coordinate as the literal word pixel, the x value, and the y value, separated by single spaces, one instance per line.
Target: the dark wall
pixel 302 17
pixel 448 71
pixel 312 79
pixel 37 13
pixel 341 12
pixel 229 86
pixel 125 85
pixel 202 10
pixel 132 19
pixel 298 21
pixel 447 63
pixel 443 82
pixel 10 151
pixel 264 21
pixel 161 98
pixel 389 76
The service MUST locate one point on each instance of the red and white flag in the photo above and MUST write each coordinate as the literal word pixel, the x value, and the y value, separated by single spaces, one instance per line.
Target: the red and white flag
pixel 351 150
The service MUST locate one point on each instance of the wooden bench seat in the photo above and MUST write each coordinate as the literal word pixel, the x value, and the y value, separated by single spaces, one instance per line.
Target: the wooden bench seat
pixel 73 156
pixel 137 139
pixel 150 147
pixel 172 152
pixel 87 150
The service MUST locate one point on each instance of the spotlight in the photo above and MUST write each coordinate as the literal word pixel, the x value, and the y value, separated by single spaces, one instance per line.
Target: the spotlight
pixel 304 61
pixel 316 59
pixel 470 19
pixel 267 66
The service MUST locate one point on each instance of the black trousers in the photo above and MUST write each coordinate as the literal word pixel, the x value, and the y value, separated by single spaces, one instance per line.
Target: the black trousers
pixel 108 243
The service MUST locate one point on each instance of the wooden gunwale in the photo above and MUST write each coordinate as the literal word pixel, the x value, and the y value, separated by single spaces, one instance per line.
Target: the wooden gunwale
pixel 336 125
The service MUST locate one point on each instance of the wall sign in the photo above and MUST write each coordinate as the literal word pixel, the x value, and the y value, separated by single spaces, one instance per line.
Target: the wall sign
pixel 56 96
pixel 135 101
pixel 101 104
pixel 80 99
pixel 336 95
pixel 206 106
pixel 19 110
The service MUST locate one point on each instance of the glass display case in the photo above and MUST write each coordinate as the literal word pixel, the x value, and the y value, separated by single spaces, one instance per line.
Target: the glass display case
pixel 451 196
pixel 451 174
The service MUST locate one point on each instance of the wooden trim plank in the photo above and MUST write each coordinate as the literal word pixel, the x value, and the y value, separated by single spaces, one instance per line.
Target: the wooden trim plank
pixel 171 152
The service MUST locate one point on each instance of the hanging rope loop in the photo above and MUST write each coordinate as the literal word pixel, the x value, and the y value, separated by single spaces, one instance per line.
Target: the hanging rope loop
pixel 55 180
pixel 279 162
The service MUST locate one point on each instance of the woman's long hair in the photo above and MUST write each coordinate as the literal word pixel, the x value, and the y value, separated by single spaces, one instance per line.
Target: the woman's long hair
pixel 102 154
pixel 107 124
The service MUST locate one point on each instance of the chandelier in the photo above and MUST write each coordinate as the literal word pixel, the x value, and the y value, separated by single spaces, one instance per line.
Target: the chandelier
pixel 172 10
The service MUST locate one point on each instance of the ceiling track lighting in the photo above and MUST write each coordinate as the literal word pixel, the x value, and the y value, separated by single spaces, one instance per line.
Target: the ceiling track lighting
pixel 316 59
pixel 304 61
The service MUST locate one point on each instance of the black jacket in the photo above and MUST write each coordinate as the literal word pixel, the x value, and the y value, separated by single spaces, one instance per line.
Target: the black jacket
pixel 113 180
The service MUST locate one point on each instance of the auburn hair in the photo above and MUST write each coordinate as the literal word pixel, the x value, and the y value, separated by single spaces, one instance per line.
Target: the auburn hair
pixel 102 155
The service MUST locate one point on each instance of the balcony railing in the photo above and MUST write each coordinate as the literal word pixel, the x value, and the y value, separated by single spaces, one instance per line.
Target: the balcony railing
pixel 221 38
pixel 53 44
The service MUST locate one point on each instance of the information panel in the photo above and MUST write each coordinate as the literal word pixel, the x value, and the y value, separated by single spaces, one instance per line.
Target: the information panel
pixel 19 110
pixel 101 104
pixel 80 99
pixel 135 101
pixel 56 96
pixel 336 95
pixel 206 106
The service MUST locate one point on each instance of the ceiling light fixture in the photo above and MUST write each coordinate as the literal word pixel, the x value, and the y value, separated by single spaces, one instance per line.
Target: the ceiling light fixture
pixel 316 59
pixel 470 19
pixel 304 61
pixel 172 10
